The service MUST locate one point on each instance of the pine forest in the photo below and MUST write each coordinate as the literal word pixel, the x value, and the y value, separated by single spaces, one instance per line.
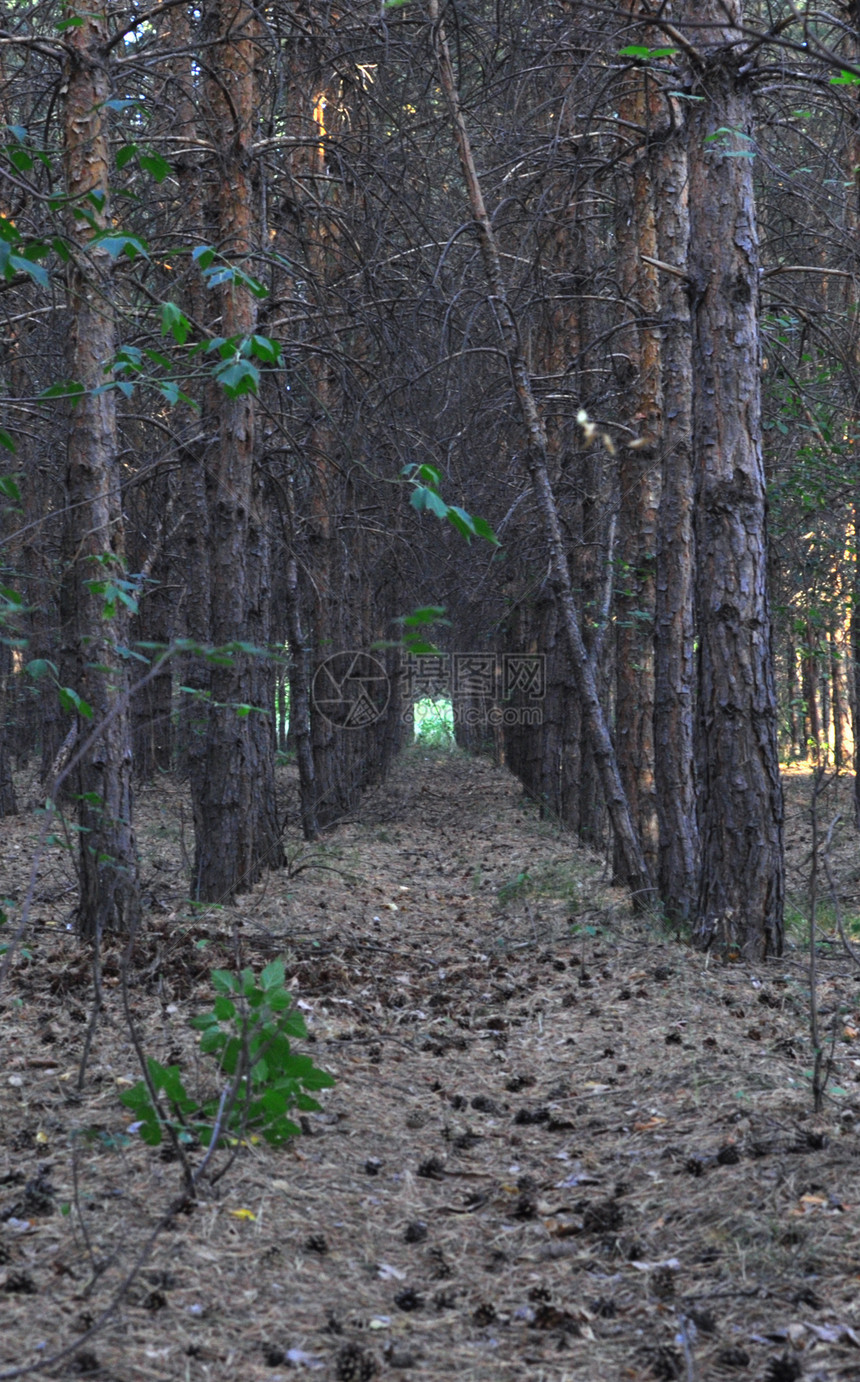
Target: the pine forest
pixel 429 689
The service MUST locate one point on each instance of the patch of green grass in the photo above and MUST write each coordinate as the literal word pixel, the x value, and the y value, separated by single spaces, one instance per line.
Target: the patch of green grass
pixel 797 921
pixel 573 880
pixel 433 722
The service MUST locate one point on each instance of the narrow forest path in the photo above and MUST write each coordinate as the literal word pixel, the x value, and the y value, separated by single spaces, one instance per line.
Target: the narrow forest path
pixel 561 1144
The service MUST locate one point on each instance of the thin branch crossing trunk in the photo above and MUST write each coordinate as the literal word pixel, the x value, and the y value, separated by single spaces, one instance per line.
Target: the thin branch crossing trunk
pixel 636 874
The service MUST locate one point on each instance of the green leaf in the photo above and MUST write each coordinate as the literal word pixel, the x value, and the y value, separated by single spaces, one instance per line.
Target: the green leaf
pixel 74 23
pixel 266 350
pixel 273 975
pixel 424 500
pixel 306 1103
pixel 158 359
pixel 224 1008
pixel 203 1022
pixel 212 1040
pixel 318 1079
pixel 175 321
pixel 461 520
pixel 217 274
pixel 125 155
pixel 20 160
pixel 130 245
pixel 26 266
pixel 275 1102
pixel 238 377
pixel 41 667
pixel 845 79
pixel 294 1024
pixel 282 1129
pixel 231 1054
pixel 634 50
pixel 150 1133
pixel 137 1099
pixel 224 982
pixel 70 700
pixel 157 167
pixel 69 388
pixel 483 529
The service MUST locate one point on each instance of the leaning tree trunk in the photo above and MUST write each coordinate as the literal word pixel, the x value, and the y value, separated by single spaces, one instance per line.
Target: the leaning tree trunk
pixel 94 536
pixel 635 870
pixel 741 814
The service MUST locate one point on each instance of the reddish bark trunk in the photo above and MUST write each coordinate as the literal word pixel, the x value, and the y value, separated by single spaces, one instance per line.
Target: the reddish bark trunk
pixel 742 882
pixel 95 541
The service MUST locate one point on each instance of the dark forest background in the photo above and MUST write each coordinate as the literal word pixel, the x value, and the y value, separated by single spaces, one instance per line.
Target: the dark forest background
pixel 516 328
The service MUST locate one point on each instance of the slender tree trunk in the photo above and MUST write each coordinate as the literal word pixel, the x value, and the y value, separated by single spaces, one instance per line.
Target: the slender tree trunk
pixel 8 803
pixel 838 702
pixel 794 726
pixel 235 820
pixel 809 682
pixel 638 472
pixel 636 874
pixel 193 575
pixel 674 650
pixel 300 704
pixel 742 882
pixel 95 541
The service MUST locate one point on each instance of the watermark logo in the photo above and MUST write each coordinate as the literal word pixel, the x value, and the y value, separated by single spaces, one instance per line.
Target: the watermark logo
pixel 351 690
pixel 474 677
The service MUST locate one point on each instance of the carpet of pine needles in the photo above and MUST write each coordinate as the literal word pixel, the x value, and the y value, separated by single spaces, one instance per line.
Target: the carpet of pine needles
pixel 561 1145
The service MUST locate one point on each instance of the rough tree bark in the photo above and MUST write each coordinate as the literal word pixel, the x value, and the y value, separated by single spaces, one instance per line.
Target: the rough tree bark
pixel 674 625
pixel 741 813
pixel 638 468
pixel 94 536
pixel 234 819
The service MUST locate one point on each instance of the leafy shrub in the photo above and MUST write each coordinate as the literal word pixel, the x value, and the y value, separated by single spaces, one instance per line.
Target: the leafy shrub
pixel 248 1031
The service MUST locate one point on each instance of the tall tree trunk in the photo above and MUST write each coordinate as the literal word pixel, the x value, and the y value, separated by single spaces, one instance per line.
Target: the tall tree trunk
pixel 94 537
pixel 234 814
pixel 191 430
pixel 638 473
pixel 742 881
pixel 673 650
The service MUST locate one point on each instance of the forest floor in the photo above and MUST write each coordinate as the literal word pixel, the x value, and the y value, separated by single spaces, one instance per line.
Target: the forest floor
pixel 561 1144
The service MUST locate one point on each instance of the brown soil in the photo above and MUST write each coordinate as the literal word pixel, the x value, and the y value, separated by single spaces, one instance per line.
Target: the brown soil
pixel 562 1145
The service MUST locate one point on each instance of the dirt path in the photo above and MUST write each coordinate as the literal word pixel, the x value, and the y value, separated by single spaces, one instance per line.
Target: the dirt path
pixel 561 1145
